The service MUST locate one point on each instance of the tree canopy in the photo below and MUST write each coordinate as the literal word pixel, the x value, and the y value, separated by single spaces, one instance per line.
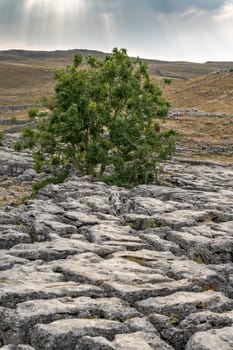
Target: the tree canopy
pixel 105 120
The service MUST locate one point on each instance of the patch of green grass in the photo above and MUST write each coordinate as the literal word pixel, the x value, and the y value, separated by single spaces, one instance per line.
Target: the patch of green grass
pixel 167 81
pixel 2 136
pixel 135 259
pixel 56 179
pixel 174 320
pixel 198 259
pixel 14 120
pixel 151 224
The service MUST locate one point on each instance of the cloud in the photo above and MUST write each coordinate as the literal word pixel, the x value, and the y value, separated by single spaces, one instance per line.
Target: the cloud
pixel 150 28
pixel 168 6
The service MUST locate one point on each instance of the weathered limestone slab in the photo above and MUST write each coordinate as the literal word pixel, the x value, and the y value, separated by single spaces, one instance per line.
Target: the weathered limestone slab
pixel 184 303
pixel 113 235
pixel 204 321
pixel 18 323
pixel 133 293
pixel 80 219
pixel 31 272
pixel 6 218
pixel 199 274
pixel 151 206
pixel 90 267
pixel 209 250
pixel 9 238
pixel 47 251
pixel 212 339
pixel 161 244
pixel 43 227
pixel 64 334
pixel 13 163
pixel 17 347
pixel 131 341
pixel 7 262
pixel 14 293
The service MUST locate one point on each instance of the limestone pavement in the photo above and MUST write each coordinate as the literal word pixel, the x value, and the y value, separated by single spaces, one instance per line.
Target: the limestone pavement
pixel 92 267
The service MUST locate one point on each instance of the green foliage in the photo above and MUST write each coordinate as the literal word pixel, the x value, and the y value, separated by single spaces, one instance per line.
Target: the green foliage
pixel 32 112
pixel 151 224
pixel 198 259
pixel 174 320
pixel 2 137
pixel 18 146
pixel 14 120
pixel 137 260
pixel 168 81
pixel 56 179
pixel 105 121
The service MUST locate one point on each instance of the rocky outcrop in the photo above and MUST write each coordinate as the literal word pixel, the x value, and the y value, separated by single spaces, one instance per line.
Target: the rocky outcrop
pixel 13 163
pixel 174 113
pixel 17 107
pixel 87 266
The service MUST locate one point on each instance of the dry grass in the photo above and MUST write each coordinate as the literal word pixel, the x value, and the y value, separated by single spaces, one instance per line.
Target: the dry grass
pixel 4 127
pixel 186 69
pixel 18 115
pixel 22 84
pixel 211 93
pixel 12 193
pixel 198 132
pixel 26 75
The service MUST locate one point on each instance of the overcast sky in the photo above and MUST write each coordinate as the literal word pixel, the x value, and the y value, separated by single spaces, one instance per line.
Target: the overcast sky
pixel 194 30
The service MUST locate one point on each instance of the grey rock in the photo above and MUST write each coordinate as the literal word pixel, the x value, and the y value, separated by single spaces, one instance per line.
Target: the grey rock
pixel 28 175
pixel 200 275
pixel 6 218
pixel 12 294
pixel 90 267
pixel 140 324
pixel 212 339
pixel 113 234
pixel 57 249
pixel 204 321
pixel 80 219
pixel 133 293
pixel 140 340
pixel 14 164
pixel 64 334
pixel 19 322
pixel 17 347
pixel 7 261
pixel 94 343
pixel 184 303
pixel 9 238
pixel 136 341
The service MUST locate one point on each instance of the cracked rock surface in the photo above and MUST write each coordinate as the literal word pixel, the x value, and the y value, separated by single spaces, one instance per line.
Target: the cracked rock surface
pixel 92 267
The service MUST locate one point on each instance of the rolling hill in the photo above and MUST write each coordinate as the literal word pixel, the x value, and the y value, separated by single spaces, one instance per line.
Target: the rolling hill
pixel 25 75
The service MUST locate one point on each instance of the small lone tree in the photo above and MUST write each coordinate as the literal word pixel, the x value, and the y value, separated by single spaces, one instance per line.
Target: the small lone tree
pixel 104 121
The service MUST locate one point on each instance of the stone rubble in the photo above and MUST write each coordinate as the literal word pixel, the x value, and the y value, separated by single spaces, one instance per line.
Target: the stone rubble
pixel 92 267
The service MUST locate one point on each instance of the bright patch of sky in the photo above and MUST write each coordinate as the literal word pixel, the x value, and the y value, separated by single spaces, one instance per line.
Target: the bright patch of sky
pixel 194 30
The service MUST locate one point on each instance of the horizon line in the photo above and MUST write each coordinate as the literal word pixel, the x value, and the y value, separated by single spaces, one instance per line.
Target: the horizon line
pixel 168 60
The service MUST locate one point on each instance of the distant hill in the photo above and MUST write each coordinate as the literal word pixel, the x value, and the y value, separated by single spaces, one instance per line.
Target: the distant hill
pixel 52 57
pixel 212 92
pixel 25 75
pixel 174 69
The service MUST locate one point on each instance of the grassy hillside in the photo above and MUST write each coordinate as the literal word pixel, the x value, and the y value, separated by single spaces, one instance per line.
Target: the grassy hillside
pixel 25 75
pixel 186 70
pixel 211 93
